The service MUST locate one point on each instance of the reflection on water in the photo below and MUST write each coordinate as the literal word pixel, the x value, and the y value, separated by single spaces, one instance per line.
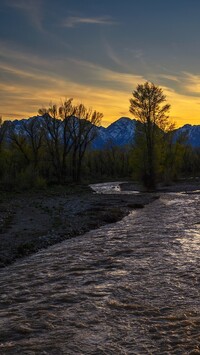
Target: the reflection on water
pixel 111 187
pixel 132 287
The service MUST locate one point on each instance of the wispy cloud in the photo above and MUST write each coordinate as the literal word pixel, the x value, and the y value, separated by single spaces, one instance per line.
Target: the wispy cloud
pixel 24 91
pixel 138 56
pixel 12 52
pixel 73 21
pixel 24 5
pixel 191 83
pixel 186 83
pixel 30 8
pixel 170 77
pixel 112 55
pixel 137 53
pixel 111 79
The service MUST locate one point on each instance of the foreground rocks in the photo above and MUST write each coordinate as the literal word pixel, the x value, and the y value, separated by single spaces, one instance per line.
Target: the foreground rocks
pixel 33 221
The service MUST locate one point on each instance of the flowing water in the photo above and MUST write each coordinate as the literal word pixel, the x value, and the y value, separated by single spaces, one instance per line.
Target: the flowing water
pixel 132 287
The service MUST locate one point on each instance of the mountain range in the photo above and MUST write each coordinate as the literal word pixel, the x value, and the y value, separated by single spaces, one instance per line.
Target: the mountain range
pixel 122 132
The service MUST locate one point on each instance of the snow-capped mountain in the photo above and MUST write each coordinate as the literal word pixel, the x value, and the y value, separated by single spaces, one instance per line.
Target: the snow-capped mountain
pixel 120 133
pixel 192 134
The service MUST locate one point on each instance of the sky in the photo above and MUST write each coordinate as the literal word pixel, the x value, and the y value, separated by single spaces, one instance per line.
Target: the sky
pixel 97 52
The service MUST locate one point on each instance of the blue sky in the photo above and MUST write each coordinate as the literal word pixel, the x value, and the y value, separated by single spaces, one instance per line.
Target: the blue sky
pixel 97 52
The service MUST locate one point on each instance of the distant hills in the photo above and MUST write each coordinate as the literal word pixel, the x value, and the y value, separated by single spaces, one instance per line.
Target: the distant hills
pixel 122 132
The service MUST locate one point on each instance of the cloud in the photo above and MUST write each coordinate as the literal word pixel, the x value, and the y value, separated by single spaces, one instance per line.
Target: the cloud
pixel 112 55
pixel 30 82
pixel 186 84
pixel 24 91
pixel 191 83
pixel 115 57
pixel 73 21
pixel 115 80
pixel 184 108
pixel 34 75
pixel 137 53
pixel 10 52
pixel 24 5
pixel 30 8
pixel 170 77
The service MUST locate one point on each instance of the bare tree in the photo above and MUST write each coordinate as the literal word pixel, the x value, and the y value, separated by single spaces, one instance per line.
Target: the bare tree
pixel 69 129
pixel 18 140
pixel 58 135
pixel 34 133
pixel 82 132
pixel 66 112
pixel 52 128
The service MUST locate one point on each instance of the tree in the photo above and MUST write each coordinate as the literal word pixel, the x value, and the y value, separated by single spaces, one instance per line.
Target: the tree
pixel 149 106
pixel 172 153
pixel 18 141
pixel 33 133
pixel 83 130
pixel 66 112
pixel 57 135
pixel 69 130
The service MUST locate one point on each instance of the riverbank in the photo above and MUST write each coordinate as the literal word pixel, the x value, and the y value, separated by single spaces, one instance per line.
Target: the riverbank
pixel 33 221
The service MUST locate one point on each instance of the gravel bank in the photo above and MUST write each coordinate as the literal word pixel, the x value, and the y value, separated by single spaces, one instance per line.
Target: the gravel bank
pixel 33 221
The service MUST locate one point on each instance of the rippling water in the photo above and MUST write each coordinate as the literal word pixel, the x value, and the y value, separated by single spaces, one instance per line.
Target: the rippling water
pixel 132 287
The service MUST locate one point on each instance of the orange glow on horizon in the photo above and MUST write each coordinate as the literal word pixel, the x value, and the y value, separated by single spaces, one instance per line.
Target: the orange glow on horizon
pixel 180 114
pixel 25 99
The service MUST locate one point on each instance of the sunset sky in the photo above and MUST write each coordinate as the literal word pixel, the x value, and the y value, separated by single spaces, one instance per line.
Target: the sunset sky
pixel 97 51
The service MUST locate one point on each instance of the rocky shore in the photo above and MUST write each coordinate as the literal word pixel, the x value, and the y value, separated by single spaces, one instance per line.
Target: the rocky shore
pixel 33 221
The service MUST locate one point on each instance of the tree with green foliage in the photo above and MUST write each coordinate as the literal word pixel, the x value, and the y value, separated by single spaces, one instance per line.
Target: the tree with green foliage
pixel 149 106
pixel 172 151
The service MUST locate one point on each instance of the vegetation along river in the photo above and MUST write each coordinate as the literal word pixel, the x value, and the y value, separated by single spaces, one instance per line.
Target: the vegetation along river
pixel 132 287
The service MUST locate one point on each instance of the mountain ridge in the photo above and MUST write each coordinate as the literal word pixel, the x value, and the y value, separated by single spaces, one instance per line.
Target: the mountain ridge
pixel 122 131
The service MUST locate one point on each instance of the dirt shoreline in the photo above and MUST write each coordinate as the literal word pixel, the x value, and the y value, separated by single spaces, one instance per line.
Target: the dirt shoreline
pixel 33 221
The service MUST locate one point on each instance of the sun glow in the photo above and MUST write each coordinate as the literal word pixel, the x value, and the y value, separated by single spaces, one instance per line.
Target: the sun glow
pixel 112 103
pixel 25 89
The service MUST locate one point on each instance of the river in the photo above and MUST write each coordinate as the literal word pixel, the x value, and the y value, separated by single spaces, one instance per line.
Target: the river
pixel 132 287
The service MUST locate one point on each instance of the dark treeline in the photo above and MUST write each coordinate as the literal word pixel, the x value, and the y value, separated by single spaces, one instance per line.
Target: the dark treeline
pixel 56 148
